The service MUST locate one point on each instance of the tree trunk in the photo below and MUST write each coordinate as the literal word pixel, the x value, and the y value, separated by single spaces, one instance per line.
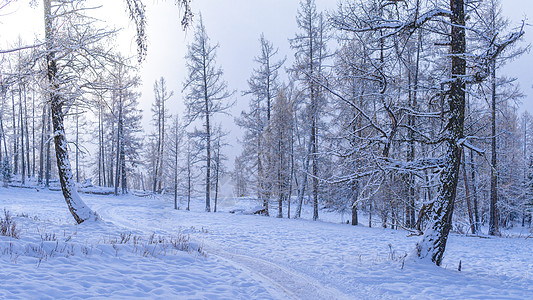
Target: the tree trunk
pixel 99 144
pixel 176 171
pixel 217 172
pixel 291 177
pixel 111 159
pixel 41 152
pixel 77 207
pixel 28 165
pixel 77 144
pixel 48 150
pixel 493 212
pixel 370 213
pixel 123 174
pixel 301 190
pixel 281 178
pixel 162 150
pixel 158 149
pixel 208 162
pixel 433 242
pixel 119 140
pixel 355 196
pixel 315 167
pixel 474 192
pixel 468 196
pixel 33 135
pixel 413 103
pixel 189 173
pixel 15 136
pixel 2 134
pixel 21 126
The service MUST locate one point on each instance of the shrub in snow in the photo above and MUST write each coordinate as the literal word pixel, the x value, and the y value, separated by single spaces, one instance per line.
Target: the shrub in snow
pixel 8 227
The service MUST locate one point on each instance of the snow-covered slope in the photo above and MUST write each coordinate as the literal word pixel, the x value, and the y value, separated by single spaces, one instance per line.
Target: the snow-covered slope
pixel 246 257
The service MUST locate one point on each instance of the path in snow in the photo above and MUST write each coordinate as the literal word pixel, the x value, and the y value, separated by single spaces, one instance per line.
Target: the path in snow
pixel 307 258
pixel 290 283
pixel 294 284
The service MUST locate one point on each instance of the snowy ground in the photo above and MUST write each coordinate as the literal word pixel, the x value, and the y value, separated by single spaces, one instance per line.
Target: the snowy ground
pixel 240 257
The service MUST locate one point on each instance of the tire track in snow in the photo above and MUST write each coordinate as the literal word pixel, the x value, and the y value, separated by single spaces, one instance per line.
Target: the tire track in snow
pixel 281 282
pixel 293 283
pixel 275 289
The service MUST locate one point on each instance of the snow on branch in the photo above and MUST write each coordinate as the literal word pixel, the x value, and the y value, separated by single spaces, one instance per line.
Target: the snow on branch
pixel 417 165
pixel 464 142
pixel 415 21
pixel 20 48
pixel 482 61
pixel 137 13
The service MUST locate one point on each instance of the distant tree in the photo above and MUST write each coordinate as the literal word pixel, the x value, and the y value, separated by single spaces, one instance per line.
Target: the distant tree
pixel 263 86
pixel 278 138
pixel 176 141
pixel 219 160
pixel 206 93
pixel 240 177
pixel 528 205
pixel 192 154
pixel 127 118
pixel 310 53
pixel 159 118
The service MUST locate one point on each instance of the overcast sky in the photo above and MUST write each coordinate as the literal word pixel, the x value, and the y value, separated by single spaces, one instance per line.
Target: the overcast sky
pixel 236 25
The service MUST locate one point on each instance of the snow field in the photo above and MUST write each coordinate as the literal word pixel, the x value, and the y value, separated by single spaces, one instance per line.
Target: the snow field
pixel 248 257
pixel 55 259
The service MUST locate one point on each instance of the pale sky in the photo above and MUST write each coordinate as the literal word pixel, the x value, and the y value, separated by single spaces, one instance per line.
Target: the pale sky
pixel 236 25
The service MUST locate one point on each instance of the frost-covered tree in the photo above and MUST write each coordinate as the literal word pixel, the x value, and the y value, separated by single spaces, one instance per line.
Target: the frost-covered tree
pixel 448 20
pixel 206 94
pixel 159 118
pixel 218 161
pixel 126 118
pixel 528 203
pixel 351 130
pixel 192 158
pixel 309 45
pixel 176 141
pixel 278 137
pixel 240 177
pixel 263 87
pixel 66 54
pixel 75 49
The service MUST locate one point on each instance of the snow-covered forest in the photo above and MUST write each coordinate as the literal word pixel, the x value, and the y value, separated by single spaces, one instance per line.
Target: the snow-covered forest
pixel 385 152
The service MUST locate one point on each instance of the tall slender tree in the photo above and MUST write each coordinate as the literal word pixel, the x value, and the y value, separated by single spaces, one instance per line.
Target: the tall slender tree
pixel 159 117
pixel 310 53
pixel 206 94
pixel 263 86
